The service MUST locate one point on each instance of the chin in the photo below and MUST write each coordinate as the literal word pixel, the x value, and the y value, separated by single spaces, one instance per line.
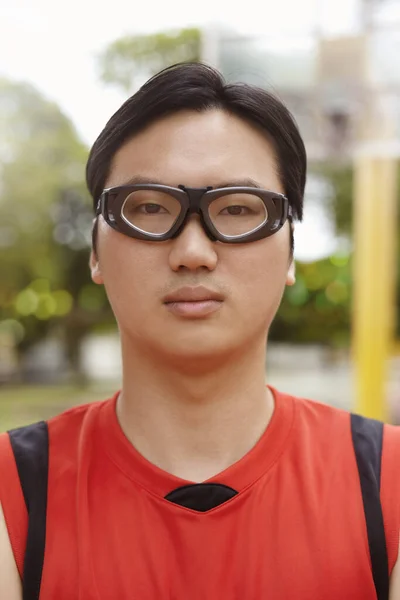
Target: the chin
pixel 190 345
pixel 204 347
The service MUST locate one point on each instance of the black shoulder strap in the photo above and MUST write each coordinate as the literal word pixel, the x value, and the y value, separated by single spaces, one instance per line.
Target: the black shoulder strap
pixel 367 435
pixel 31 450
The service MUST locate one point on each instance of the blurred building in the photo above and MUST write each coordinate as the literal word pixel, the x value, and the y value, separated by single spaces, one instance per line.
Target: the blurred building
pixel 330 84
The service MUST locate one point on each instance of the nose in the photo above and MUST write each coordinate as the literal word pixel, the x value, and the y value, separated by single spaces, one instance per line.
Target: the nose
pixel 192 249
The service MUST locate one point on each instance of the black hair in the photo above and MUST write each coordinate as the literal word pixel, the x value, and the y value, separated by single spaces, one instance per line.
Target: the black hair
pixel 199 87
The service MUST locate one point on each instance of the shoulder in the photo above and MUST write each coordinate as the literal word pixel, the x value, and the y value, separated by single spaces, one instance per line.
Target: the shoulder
pixel 10 580
pixel 325 421
pixel 346 436
pixel 14 512
pixel 390 489
pixel 67 425
pixel 325 435
pixel 55 441
pixel 70 437
pixel 311 417
pixel 336 438
pixel 319 442
pixel 71 421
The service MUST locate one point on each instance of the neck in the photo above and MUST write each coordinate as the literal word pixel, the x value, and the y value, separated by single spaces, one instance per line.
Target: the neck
pixel 194 424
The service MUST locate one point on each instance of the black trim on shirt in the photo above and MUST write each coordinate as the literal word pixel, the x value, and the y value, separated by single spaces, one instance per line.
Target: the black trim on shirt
pixel 367 435
pixel 31 451
pixel 201 496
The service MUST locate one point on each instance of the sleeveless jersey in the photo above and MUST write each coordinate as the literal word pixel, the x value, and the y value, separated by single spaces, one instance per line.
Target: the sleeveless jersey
pixel 291 525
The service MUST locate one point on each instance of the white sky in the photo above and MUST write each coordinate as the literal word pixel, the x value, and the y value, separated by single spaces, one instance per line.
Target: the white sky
pixel 54 44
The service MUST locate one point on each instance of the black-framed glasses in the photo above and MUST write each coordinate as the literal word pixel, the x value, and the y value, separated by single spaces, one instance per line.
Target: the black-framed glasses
pixel 155 212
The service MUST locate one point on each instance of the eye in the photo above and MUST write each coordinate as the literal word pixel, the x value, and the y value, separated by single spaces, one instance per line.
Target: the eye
pixel 237 213
pixel 150 209
pixel 236 210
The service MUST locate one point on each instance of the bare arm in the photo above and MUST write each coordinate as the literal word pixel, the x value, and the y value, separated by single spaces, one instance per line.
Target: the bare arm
pixel 10 583
pixel 395 580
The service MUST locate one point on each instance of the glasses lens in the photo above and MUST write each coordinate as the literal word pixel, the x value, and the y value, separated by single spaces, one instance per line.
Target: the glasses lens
pixel 151 211
pixel 237 214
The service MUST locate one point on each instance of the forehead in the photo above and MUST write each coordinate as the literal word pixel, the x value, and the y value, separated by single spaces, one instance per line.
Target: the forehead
pixel 197 149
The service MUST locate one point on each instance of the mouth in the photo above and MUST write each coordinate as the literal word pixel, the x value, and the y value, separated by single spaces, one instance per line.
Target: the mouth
pixel 194 309
pixel 193 302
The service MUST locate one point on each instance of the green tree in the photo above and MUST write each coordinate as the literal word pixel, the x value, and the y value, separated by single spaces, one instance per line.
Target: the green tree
pixel 136 56
pixel 317 308
pixel 45 220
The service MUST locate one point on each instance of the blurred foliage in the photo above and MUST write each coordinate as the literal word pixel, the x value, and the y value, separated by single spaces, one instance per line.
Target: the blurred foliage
pixel 45 224
pixel 317 308
pixel 340 179
pixel 137 56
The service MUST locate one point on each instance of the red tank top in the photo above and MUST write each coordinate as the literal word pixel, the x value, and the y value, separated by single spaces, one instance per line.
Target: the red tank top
pixel 295 529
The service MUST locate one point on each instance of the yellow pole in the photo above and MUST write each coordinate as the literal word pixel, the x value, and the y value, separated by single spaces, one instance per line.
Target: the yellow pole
pixel 374 276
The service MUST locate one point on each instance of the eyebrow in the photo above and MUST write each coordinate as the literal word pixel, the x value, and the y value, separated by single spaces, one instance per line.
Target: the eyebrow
pixel 247 182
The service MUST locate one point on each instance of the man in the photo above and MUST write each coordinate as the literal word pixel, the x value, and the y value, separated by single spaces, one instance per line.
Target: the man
pixel 196 480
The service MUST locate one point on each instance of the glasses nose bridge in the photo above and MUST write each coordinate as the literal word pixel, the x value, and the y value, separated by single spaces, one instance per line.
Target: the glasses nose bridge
pixel 195 196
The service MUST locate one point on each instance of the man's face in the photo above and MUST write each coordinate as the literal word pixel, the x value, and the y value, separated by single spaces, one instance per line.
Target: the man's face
pixel 195 150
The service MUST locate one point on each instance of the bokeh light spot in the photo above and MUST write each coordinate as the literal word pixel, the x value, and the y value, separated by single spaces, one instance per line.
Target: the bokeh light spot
pixel 26 302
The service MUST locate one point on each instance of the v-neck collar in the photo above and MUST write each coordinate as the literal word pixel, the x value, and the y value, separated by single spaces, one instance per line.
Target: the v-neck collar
pixel 239 476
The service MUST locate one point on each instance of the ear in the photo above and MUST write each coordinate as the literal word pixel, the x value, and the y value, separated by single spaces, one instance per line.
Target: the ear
pixel 95 271
pixel 291 274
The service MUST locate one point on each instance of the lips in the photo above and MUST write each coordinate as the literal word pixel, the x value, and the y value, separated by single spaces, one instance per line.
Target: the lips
pixel 193 302
pixel 193 294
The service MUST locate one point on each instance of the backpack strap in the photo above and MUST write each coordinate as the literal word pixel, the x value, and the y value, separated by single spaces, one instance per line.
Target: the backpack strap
pixel 367 436
pixel 30 446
